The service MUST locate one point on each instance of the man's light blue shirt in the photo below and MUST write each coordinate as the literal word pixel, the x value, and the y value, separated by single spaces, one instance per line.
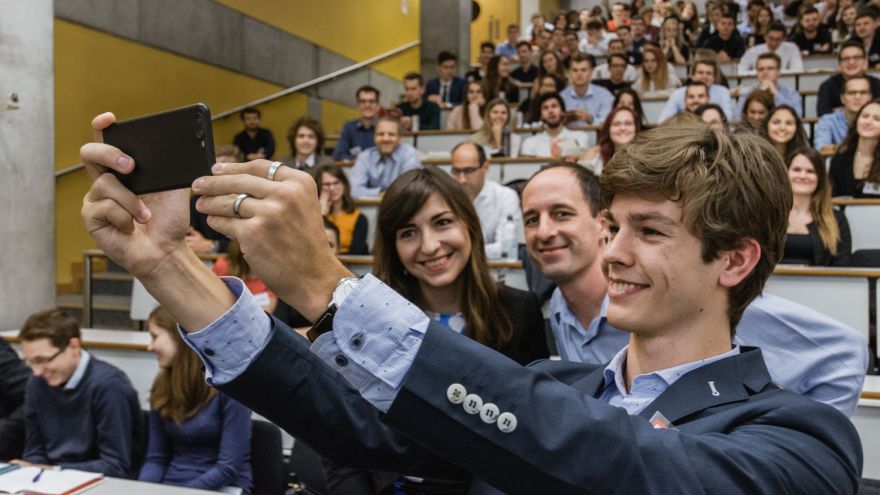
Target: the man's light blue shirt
pixel 830 129
pixel 784 96
pixel 718 95
pixel 507 50
pixel 373 173
pixel 647 387
pixel 596 100
pixel 80 371
pixel 377 334
pixel 596 344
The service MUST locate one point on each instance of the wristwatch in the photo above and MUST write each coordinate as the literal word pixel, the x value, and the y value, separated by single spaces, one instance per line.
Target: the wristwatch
pixel 325 323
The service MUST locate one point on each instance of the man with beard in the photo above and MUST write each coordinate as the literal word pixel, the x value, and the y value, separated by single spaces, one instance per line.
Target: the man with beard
pixel 546 143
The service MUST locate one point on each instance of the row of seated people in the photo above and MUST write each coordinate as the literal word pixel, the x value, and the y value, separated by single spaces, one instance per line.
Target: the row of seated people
pixel 430 248
pixel 64 408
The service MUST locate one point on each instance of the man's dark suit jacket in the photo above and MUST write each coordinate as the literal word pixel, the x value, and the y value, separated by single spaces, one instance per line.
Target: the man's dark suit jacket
pixel 13 379
pixel 733 431
pixel 456 89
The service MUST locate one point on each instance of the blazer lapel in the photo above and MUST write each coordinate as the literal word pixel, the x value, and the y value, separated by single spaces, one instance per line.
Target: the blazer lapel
pixel 728 380
pixel 593 383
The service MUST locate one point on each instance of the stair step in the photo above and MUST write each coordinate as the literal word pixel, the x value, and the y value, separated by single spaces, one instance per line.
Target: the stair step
pixel 101 302
pixel 113 276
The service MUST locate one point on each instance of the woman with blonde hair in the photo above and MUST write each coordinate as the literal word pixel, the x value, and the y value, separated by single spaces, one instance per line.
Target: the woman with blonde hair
pixel 492 135
pixel 817 233
pixel 672 43
pixel 655 79
pixel 198 437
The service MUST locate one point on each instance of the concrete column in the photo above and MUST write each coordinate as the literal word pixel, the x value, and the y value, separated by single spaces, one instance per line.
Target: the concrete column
pixel 27 161
pixel 445 25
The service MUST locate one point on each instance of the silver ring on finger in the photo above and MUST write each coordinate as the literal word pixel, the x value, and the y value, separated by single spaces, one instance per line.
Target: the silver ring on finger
pixel 272 169
pixel 236 205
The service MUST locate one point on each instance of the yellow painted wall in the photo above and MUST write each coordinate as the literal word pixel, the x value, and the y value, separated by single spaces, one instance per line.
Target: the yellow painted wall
pixel 492 12
pixel 96 72
pixel 333 115
pixel 356 29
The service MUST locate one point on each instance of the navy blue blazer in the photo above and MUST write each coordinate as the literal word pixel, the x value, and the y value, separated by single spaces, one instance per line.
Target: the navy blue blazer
pixel 456 89
pixel 734 431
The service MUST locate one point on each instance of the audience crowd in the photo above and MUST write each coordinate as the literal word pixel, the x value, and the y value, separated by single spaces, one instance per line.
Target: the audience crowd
pixel 436 232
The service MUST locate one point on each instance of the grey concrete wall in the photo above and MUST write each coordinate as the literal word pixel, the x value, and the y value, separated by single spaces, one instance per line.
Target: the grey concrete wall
pixel 445 26
pixel 27 181
pixel 210 32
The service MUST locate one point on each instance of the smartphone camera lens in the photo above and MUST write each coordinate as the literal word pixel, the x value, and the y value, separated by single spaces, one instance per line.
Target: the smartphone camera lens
pixel 200 126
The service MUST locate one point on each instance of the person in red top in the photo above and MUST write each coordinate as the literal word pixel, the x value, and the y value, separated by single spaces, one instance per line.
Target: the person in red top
pixel 234 264
pixel 619 15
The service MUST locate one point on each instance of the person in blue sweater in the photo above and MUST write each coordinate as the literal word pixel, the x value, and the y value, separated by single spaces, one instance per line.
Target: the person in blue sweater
pixel 198 437
pixel 80 412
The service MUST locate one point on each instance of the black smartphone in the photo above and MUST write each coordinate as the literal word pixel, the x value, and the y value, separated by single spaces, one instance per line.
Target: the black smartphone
pixel 170 149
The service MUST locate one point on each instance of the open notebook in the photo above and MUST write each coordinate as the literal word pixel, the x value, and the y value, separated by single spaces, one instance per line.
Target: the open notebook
pixel 64 482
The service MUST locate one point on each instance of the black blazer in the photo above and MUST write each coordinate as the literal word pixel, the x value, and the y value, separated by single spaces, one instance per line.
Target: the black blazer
pixel 529 340
pixel 821 255
pixel 13 378
pixel 843 181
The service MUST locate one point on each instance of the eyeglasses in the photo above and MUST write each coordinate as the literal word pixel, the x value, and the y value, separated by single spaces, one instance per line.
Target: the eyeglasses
pixel 367 102
pixel 852 58
pixel 857 93
pixel 42 360
pixel 456 172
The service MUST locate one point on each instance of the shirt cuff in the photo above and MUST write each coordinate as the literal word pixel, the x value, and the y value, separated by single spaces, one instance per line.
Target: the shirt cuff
pixel 376 336
pixel 230 343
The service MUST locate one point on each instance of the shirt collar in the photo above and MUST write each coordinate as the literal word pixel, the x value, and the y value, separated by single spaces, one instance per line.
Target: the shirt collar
pixel 77 376
pixel 614 372
pixel 564 316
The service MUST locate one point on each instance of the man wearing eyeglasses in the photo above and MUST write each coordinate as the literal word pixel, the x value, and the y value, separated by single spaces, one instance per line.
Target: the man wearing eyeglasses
pixel 851 62
pixel 80 412
pixel 357 135
pixel 493 202
pixel 832 127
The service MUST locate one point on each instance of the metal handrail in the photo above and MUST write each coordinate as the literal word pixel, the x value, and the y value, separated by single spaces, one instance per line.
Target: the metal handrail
pixel 285 92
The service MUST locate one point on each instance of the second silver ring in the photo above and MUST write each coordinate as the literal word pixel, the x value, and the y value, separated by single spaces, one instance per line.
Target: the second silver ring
pixel 236 205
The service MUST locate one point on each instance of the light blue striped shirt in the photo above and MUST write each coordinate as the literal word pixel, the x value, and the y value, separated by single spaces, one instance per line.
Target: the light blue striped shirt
pixel 373 173
pixel 597 343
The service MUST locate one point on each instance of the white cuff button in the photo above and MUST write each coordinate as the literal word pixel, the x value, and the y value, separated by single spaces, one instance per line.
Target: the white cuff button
pixel 506 422
pixel 489 413
pixel 472 404
pixel 456 393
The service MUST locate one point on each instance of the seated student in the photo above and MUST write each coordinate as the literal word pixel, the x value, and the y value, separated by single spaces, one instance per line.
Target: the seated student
pixel 768 80
pixel 628 98
pixel 469 115
pixel 430 249
pixel 696 95
pixel 80 412
pixel 722 423
pixel 617 65
pixel 587 104
pixel 817 233
pixel 755 109
pixel 595 43
pixel 508 47
pixel 832 127
pixel 377 167
pixel 306 139
pixel 198 438
pixel 845 25
pixel 13 378
pixel 527 70
pixel 615 47
pixel 713 115
pixel 672 44
pixel 703 71
pixel 726 41
pixel 531 107
pixel 809 35
pixel 550 64
pixel 338 207
pixel 855 169
pixel 493 202
pixel 784 130
pixel 497 83
pixel 447 89
pixel 774 42
pixel 851 62
pixel 414 104
pixel 750 23
pixel 495 135
pixel 633 54
pixel 618 131
pixel 655 78
pixel 865 32
pixel 254 141
pixel 234 264
pixel 547 142
pixel 357 135
pixel 200 237
pixel 487 51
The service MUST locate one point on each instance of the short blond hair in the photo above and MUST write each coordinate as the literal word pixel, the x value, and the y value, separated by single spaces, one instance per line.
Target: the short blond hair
pixel 729 186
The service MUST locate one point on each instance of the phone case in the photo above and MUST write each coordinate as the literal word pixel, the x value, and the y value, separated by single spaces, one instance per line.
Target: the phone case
pixel 170 149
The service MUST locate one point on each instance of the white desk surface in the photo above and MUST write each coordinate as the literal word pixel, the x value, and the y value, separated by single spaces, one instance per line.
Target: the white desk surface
pixel 116 486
